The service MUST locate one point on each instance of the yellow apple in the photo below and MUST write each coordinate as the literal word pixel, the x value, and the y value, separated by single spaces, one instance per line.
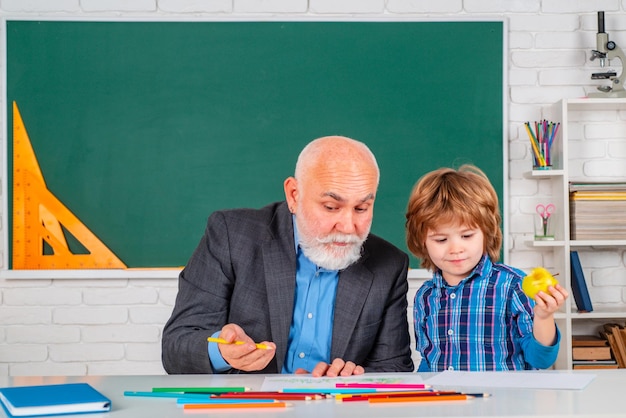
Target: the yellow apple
pixel 539 279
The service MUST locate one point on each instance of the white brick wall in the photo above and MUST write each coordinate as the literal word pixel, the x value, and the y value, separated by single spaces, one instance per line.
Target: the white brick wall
pixel 79 327
pixel 99 327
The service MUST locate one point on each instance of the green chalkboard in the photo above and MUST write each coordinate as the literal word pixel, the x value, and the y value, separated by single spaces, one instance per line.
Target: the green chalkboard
pixel 143 128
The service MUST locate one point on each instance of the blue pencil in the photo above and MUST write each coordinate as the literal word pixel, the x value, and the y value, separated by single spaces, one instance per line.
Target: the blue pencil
pixel 328 390
pixel 554 131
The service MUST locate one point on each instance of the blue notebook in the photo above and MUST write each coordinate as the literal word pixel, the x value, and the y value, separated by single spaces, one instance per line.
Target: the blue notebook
pixel 579 285
pixel 69 398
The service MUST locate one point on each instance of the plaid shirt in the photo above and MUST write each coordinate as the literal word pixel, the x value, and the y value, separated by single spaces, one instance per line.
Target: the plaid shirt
pixel 483 323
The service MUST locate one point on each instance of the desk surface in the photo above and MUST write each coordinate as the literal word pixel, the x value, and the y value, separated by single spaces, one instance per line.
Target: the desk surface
pixel 603 397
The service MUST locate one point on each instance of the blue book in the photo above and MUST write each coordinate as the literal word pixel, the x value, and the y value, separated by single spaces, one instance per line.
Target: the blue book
pixel 579 285
pixel 69 398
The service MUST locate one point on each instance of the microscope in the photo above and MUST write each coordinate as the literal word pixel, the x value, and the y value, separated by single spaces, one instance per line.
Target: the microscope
pixel 607 50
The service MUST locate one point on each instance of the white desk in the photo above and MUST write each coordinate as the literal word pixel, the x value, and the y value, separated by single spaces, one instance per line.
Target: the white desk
pixel 603 397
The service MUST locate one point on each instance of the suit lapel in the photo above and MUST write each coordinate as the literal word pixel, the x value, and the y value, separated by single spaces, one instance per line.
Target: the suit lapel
pixel 354 285
pixel 280 280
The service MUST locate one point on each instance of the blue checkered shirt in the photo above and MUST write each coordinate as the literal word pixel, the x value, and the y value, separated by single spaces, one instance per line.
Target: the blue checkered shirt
pixel 483 323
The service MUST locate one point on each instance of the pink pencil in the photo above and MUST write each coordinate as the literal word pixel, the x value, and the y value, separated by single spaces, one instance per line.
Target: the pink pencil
pixel 383 385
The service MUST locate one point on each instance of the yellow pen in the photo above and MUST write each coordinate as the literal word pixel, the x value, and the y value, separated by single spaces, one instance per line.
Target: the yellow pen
pixel 223 341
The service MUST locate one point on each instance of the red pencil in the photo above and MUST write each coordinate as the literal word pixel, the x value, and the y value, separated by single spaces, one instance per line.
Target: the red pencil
pixel 458 397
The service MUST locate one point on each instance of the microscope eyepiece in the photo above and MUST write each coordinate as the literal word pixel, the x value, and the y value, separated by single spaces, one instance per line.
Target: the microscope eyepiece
pixel 600 22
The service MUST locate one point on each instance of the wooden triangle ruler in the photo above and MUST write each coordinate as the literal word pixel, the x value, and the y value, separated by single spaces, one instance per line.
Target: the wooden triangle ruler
pixel 39 217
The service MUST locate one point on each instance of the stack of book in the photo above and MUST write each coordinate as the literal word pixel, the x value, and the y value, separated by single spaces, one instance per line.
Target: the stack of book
pixel 616 336
pixel 597 211
pixel 592 352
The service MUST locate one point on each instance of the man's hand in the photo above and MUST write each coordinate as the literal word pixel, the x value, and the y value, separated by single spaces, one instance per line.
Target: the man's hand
pixel 337 368
pixel 246 357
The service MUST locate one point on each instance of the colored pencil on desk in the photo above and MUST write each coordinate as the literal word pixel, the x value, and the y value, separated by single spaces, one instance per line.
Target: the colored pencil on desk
pixel 223 341
pixel 168 395
pixel 207 390
pixel 366 396
pixel 458 397
pixel 331 391
pixel 383 385
pixel 478 395
pixel 271 395
pixel 183 401
pixel 197 406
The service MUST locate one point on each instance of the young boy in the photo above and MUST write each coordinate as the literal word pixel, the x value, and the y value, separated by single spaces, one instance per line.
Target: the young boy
pixel 473 315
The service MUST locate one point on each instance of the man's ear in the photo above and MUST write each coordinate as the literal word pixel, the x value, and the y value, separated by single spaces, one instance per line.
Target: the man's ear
pixel 291 193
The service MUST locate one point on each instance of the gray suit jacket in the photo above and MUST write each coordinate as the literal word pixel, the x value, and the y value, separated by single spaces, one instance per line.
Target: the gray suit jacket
pixel 244 272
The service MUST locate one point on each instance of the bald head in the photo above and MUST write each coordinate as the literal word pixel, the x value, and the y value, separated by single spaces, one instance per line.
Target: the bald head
pixel 331 152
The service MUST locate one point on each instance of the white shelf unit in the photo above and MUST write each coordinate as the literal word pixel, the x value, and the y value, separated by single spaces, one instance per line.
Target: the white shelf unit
pixel 573 114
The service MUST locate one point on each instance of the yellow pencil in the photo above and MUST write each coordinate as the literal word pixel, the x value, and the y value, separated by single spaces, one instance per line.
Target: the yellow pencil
pixel 540 158
pixel 223 341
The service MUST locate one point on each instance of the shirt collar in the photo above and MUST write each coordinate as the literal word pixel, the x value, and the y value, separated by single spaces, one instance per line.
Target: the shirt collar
pixel 482 269
pixel 295 233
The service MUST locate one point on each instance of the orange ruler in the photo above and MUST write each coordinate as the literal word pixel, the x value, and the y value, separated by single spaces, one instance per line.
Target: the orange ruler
pixel 39 217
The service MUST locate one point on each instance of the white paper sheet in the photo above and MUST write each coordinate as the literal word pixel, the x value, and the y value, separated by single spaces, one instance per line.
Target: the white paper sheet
pixel 553 379
pixel 275 383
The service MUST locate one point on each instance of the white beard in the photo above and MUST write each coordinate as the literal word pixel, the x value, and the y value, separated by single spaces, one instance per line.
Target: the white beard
pixel 324 254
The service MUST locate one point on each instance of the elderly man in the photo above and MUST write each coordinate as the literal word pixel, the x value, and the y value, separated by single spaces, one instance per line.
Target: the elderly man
pixel 304 277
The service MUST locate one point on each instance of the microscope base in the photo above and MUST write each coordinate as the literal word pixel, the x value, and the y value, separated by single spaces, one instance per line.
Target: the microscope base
pixel 609 94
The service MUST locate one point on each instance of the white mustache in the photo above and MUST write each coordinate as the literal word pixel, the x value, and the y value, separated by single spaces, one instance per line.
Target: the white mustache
pixel 339 238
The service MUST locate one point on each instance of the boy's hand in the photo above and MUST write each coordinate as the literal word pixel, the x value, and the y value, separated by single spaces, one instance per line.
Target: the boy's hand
pixel 548 303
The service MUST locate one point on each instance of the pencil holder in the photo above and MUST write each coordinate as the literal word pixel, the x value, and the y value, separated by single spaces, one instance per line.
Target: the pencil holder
pixel 541 167
pixel 541 139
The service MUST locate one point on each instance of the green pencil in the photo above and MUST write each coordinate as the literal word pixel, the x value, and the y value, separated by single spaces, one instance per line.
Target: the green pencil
pixel 197 396
pixel 202 389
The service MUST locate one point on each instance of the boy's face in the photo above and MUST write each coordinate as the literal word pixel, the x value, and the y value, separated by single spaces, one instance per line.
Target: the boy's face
pixel 455 249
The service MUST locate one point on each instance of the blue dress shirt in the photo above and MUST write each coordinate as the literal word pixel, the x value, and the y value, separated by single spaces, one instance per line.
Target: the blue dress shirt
pixel 311 330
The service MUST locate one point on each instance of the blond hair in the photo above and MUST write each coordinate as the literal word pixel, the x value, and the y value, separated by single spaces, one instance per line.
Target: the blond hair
pixel 464 196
